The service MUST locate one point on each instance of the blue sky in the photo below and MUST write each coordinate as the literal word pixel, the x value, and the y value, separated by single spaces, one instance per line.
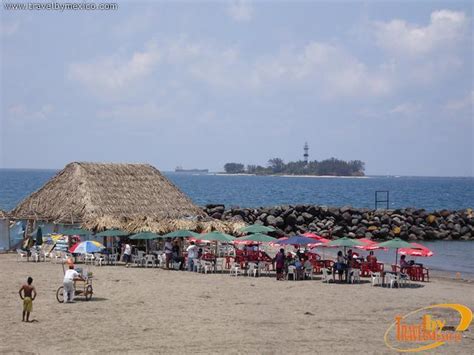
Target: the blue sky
pixel 199 84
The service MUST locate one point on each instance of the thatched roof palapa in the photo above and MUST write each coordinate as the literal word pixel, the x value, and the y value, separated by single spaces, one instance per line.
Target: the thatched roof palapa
pixel 133 197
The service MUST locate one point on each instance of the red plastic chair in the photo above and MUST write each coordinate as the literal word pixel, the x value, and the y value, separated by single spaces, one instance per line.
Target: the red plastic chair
pixel 365 269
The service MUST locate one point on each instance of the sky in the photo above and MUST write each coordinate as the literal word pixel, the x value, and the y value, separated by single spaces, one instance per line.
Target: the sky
pixel 199 84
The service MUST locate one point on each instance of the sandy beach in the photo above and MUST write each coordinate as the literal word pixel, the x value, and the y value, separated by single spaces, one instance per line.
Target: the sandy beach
pixel 151 310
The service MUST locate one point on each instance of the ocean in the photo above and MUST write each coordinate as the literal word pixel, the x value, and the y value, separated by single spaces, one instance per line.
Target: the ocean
pixel 431 193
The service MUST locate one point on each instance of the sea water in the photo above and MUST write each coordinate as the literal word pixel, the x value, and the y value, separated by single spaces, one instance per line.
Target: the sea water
pixel 431 193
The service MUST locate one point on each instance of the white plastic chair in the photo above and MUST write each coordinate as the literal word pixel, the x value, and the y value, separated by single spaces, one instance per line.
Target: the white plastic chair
pixel 291 271
pixel 220 264
pixel 35 255
pixel 207 266
pixel 325 276
pixel 150 259
pixel 112 259
pixel 21 254
pixel 263 268
pixel 252 269
pixel 391 278
pixel 99 259
pixel 403 280
pixel 197 265
pixel 355 276
pixel 308 272
pixel 376 278
pixel 88 258
pixel 235 269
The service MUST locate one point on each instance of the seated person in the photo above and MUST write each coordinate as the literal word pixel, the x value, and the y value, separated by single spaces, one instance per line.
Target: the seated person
pixel 404 264
pixel 372 260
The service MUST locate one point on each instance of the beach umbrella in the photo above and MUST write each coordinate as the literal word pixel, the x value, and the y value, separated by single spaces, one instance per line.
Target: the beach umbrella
pixel 395 243
pixel 89 246
pixel 369 244
pixel 145 236
pixel 112 233
pixel 275 243
pixel 416 250
pixel 257 228
pixel 345 242
pixel 76 231
pixel 218 237
pixel 39 236
pixel 316 237
pixel 198 240
pixel 257 238
pixel 295 240
pixel 182 233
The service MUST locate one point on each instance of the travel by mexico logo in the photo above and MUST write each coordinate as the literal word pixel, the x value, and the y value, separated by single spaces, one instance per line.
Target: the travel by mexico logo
pixel 428 328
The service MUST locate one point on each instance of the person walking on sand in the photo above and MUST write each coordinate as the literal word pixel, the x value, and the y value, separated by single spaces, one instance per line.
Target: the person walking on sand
pixel 168 252
pixel 68 283
pixel 29 294
pixel 280 264
pixel 192 250
pixel 127 253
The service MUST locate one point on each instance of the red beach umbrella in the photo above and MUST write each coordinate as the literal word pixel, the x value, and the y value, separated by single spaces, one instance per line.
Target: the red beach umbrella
pixel 369 245
pixel 417 250
pixel 318 238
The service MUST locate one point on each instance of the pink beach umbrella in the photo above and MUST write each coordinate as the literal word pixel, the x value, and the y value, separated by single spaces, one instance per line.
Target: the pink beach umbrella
pixel 369 245
pixel 417 250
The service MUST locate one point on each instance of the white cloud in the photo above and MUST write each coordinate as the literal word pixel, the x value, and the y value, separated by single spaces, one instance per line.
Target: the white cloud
pixel 446 28
pixel 240 10
pixel 329 68
pixel 114 73
pixel 466 102
pixel 406 109
pixel 325 69
pixel 133 113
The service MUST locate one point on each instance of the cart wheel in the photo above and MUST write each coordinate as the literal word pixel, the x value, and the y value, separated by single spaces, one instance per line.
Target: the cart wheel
pixel 88 292
pixel 60 294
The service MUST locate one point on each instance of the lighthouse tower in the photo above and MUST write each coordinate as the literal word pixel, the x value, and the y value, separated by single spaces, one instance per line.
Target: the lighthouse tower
pixel 306 155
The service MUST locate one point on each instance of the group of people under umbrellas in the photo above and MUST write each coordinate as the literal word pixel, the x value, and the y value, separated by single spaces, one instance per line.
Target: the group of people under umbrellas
pixel 255 234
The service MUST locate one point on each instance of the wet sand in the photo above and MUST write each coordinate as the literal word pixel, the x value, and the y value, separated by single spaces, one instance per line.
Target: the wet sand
pixel 138 310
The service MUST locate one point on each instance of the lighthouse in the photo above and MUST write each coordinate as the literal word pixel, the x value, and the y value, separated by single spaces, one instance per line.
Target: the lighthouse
pixel 306 155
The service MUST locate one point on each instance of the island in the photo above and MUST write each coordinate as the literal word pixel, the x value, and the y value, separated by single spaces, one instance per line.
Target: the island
pixel 276 166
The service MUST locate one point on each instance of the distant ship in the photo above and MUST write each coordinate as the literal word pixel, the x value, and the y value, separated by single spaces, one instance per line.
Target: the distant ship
pixel 179 169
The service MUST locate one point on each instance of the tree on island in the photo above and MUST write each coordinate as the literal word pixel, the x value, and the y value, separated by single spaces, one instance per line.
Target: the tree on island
pixel 331 167
pixel 234 168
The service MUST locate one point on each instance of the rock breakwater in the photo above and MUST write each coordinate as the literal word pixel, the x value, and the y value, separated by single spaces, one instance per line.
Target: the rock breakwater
pixel 407 223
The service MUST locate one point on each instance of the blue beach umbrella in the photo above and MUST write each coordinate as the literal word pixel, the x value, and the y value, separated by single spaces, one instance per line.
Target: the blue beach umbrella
pixel 296 240
pixel 89 246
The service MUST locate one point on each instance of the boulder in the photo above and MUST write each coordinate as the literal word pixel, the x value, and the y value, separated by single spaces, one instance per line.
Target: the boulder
pixel 290 219
pixel 345 209
pixel 216 215
pixel 299 220
pixel 279 222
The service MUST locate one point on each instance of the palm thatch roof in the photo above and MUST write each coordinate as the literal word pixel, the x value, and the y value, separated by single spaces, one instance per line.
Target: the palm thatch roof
pixel 133 197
